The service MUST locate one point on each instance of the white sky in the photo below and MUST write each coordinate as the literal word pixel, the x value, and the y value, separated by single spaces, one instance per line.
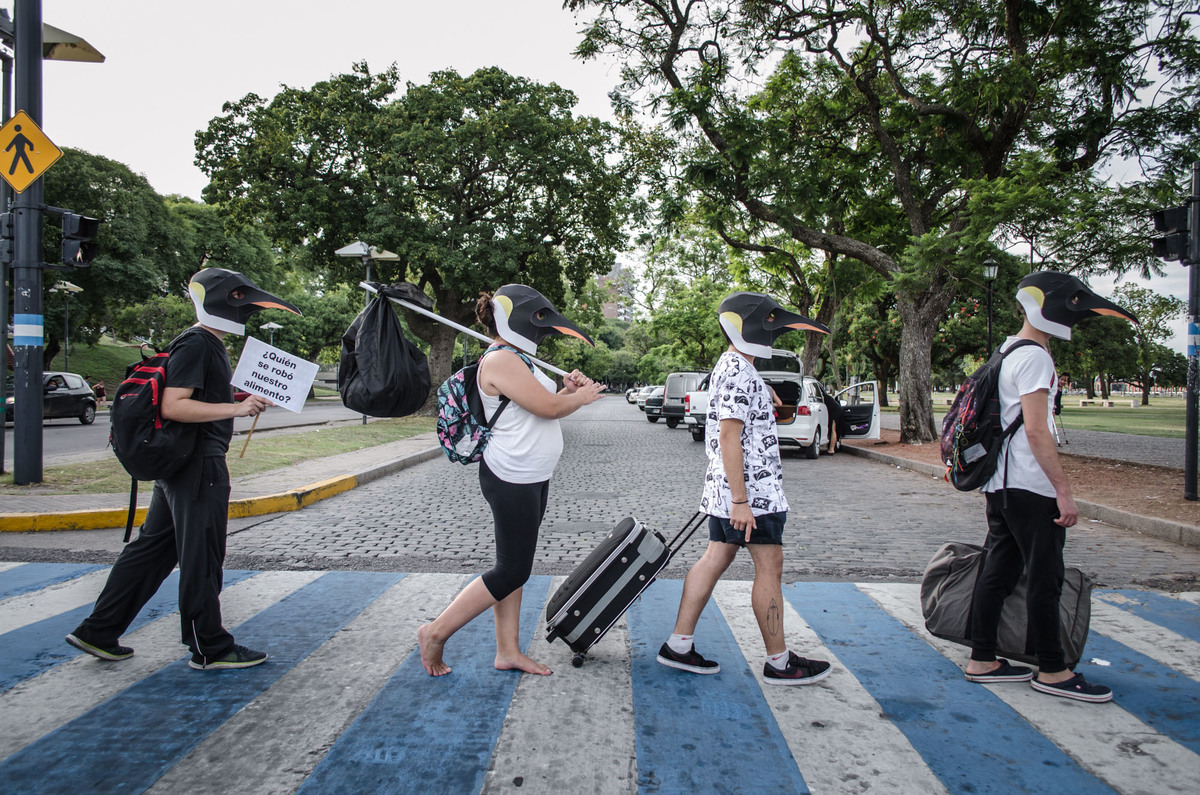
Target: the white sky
pixel 171 65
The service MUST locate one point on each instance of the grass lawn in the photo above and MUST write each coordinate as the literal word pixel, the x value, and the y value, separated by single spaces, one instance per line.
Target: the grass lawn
pixel 266 452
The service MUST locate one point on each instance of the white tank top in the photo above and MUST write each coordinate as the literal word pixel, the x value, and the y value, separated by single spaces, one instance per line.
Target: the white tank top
pixel 524 447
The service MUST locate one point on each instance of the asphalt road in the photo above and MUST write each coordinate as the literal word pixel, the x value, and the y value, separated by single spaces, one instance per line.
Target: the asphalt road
pixel 65 440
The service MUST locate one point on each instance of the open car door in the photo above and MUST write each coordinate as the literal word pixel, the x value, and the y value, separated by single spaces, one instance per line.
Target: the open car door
pixel 860 402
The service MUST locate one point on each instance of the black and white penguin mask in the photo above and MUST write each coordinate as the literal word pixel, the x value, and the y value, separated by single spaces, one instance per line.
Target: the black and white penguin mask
pixel 753 321
pixel 525 317
pixel 212 291
pixel 1054 302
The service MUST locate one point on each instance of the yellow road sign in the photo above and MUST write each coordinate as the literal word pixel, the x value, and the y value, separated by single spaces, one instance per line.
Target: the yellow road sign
pixel 25 151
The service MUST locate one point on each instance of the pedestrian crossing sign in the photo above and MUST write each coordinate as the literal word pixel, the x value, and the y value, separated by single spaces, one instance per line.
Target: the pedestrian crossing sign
pixel 25 151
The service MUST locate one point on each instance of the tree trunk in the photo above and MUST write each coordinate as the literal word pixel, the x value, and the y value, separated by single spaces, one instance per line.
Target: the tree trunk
pixel 441 340
pixel 920 315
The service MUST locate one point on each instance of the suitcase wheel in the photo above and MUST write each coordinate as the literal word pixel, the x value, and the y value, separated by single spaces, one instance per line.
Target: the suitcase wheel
pixel 577 661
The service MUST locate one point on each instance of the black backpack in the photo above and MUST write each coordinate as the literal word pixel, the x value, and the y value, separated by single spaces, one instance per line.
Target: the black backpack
pixel 971 432
pixel 148 446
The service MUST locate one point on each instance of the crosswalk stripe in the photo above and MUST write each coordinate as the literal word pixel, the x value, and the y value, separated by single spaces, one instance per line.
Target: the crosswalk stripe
pixel 421 729
pixel 9 564
pixel 1179 617
pixel 71 689
pixel 1187 596
pixel 695 731
pixel 177 707
pixel 21 611
pixel 925 695
pixel 1107 740
pixel 293 723
pixel 1150 639
pixel 35 576
pixel 588 745
pixel 836 731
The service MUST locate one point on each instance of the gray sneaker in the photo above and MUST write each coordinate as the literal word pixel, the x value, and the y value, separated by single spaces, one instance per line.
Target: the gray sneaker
pixel 238 657
pixel 114 653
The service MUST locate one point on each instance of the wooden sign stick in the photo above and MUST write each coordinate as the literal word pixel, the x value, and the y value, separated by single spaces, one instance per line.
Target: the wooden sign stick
pixel 253 425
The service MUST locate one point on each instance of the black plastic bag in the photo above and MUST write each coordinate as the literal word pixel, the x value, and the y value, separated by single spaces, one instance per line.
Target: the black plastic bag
pixel 381 372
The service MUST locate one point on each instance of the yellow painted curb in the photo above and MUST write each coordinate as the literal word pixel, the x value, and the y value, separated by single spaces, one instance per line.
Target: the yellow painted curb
pixel 107 518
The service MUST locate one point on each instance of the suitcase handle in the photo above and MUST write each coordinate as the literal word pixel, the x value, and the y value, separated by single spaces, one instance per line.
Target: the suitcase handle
pixel 690 527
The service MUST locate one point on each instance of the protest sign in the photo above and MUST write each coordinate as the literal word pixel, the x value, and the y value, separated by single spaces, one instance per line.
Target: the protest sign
pixel 276 375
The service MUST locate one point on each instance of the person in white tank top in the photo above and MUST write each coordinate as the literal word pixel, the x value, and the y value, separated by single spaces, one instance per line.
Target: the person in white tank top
pixel 514 475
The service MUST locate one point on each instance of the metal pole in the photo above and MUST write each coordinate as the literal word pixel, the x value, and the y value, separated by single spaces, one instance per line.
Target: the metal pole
pixel 989 348
pixel 67 332
pixel 28 319
pixel 5 200
pixel 367 297
pixel 1190 445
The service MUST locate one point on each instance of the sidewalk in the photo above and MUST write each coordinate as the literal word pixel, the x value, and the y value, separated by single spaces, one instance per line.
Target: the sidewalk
pixel 279 490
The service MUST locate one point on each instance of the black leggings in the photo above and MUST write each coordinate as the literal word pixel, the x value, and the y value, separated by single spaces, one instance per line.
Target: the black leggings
pixel 517 509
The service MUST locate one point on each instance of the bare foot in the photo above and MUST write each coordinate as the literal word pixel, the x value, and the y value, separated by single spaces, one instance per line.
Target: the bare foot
pixel 520 662
pixel 431 652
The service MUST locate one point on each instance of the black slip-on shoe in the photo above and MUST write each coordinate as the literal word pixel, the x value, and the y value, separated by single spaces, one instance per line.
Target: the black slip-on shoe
pixel 799 671
pixel 1076 688
pixel 1007 672
pixel 110 653
pixel 238 657
pixel 691 662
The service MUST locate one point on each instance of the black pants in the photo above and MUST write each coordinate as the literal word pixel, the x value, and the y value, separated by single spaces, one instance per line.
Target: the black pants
pixel 1022 536
pixel 517 509
pixel 185 525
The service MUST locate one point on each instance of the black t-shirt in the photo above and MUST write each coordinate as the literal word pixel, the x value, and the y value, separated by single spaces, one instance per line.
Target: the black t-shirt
pixel 199 361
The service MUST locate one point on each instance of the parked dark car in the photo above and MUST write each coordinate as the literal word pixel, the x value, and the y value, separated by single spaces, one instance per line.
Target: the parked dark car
pixel 654 404
pixel 63 395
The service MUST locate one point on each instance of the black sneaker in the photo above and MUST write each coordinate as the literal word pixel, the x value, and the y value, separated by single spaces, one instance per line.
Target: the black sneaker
pixel 238 657
pixel 111 653
pixel 1076 688
pixel 691 662
pixel 799 671
pixel 1007 672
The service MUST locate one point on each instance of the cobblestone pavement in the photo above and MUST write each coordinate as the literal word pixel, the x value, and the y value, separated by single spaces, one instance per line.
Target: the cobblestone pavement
pixel 851 520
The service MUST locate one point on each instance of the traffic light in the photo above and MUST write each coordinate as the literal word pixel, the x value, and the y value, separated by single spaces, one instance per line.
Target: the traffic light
pixel 6 238
pixel 79 246
pixel 1173 244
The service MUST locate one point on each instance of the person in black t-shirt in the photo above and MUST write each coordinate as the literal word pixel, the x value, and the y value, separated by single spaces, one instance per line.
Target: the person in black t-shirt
pixel 189 511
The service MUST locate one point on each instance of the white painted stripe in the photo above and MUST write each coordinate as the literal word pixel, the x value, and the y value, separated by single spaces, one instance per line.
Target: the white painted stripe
pixel 1187 596
pixel 66 691
pixel 29 608
pixel 1107 741
pixel 588 745
pixel 838 734
pixel 292 725
pixel 6 565
pixel 1169 648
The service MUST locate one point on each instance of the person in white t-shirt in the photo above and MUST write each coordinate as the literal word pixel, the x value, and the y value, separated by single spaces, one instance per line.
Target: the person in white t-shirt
pixel 743 493
pixel 514 474
pixel 1029 500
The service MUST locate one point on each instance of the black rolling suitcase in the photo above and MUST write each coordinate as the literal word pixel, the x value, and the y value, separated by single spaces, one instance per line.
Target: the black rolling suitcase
pixel 608 581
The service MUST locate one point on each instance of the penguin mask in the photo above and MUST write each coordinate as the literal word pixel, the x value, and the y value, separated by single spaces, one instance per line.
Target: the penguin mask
pixel 753 321
pixel 525 317
pixel 224 299
pixel 1054 302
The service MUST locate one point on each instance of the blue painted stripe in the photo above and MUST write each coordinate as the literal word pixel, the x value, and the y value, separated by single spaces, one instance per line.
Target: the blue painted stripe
pixel 693 733
pixel 970 739
pixel 28 330
pixel 128 742
pixel 424 734
pixel 31 650
pixel 1158 695
pixel 1176 615
pixel 33 576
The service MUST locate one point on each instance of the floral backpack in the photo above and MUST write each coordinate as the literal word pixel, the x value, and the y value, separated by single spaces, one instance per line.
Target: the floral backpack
pixel 463 428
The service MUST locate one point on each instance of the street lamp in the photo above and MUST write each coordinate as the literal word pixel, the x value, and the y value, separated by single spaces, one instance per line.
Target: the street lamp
pixel 67 289
pixel 367 254
pixel 270 327
pixel 990 271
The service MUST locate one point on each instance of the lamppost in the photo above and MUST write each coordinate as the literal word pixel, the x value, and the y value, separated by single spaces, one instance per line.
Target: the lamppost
pixel 990 271
pixel 367 254
pixel 67 289
pixel 270 327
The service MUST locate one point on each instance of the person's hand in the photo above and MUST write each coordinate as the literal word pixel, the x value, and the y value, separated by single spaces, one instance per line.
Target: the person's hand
pixel 575 380
pixel 589 392
pixel 1068 513
pixel 742 518
pixel 251 406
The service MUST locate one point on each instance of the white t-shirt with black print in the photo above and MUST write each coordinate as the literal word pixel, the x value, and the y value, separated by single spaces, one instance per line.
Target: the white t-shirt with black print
pixel 1025 370
pixel 737 392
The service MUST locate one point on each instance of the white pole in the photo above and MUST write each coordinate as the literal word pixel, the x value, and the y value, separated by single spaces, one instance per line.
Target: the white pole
pixel 453 325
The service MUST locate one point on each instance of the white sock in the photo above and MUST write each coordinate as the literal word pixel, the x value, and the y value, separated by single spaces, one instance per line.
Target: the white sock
pixel 680 644
pixel 779 661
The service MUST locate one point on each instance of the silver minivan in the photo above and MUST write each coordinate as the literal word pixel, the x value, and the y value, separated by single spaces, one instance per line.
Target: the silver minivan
pixel 677 387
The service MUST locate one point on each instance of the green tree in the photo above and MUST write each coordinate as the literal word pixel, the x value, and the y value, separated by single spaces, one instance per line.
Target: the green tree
pixel 886 133
pixel 474 181
pixel 1156 315
pixel 1101 349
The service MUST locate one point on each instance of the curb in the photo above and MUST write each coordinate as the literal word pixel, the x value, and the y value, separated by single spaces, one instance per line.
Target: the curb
pixel 1178 532
pixel 282 502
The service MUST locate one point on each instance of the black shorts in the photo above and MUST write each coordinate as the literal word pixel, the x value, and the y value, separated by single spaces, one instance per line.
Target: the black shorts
pixel 768 529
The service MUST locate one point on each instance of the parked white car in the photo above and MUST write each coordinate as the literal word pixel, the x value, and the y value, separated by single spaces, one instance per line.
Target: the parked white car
pixel 803 419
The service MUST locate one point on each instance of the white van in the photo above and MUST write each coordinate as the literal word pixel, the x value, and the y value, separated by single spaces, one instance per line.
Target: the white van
pixel 677 387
